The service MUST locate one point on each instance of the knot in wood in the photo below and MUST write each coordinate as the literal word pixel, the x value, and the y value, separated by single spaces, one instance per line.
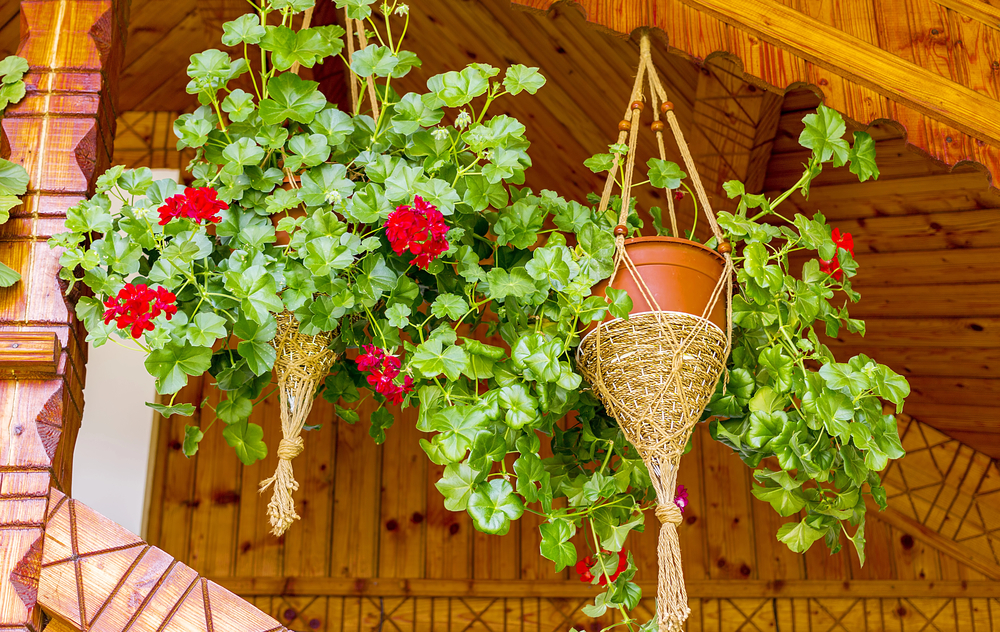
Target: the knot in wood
pixel 288 449
pixel 668 513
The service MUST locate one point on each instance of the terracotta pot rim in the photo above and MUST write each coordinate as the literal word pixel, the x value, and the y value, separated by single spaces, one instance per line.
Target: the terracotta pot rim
pixel 672 240
pixel 605 322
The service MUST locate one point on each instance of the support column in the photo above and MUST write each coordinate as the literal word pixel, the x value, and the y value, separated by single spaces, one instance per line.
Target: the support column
pixel 62 133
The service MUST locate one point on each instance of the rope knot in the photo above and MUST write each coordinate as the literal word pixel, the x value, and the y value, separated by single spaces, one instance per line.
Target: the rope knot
pixel 669 513
pixel 677 362
pixel 288 449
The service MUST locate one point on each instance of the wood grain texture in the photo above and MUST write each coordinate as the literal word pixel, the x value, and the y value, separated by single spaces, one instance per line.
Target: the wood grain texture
pixel 29 352
pixel 95 575
pixel 61 133
pixel 860 57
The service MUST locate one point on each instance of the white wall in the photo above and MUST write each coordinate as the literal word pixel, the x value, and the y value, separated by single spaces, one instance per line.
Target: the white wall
pixel 111 461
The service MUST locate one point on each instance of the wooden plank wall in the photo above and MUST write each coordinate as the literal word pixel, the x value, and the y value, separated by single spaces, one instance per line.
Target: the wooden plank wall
pixel 371 513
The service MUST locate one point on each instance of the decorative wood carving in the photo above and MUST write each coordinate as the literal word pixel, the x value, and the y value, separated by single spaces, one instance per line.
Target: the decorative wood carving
pixel 97 576
pixel 28 352
pixel 733 131
pixel 871 59
pixel 61 132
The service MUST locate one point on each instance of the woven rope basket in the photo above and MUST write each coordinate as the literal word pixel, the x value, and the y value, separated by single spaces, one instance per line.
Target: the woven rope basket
pixel 655 405
pixel 302 363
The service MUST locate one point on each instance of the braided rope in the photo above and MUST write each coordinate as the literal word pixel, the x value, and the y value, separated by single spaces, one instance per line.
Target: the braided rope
pixel 302 362
pixel 656 371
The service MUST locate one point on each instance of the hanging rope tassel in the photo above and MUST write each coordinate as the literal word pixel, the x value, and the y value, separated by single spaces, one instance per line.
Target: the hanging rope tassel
pixel 302 362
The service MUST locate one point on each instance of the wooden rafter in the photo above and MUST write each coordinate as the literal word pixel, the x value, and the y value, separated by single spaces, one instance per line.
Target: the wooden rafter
pixel 62 133
pixel 871 60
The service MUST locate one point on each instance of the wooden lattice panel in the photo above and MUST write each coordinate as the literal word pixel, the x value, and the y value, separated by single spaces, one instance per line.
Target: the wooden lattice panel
pixel 949 488
pixel 98 576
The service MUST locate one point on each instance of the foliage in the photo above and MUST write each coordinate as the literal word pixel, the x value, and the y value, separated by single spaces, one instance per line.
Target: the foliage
pixel 13 177
pixel 479 329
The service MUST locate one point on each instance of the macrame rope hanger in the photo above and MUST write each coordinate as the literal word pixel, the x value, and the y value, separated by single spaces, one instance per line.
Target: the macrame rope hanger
pixel 656 371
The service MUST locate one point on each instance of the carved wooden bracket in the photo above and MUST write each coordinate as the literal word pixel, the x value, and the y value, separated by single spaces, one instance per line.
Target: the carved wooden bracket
pixel 29 352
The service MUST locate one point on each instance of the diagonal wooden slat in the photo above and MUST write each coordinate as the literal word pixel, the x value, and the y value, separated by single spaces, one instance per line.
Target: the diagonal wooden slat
pixel 112 581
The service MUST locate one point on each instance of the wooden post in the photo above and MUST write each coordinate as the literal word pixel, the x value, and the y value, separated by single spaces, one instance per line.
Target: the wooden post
pixel 62 134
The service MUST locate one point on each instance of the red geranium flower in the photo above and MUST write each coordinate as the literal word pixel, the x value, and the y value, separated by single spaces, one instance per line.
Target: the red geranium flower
pixel 678 195
pixel 135 307
pixel 383 369
pixel 198 205
pixel 832 267
pixel 420 229
pixel 584 566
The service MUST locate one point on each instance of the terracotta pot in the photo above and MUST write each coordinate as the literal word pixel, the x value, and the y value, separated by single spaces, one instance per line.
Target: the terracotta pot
pixel 680 274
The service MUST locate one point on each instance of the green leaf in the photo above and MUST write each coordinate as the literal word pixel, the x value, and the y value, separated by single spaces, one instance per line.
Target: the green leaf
pixel 245 29
pixel 621 303
pixel 862 157
pixel 493 506
pixel 166 410
pixel 522 78
pixel 356 9
pixel 13 178
pixel 340 387
pixel 381 420
pixel 844 378
pixel 553 264
pixel 205 328
pixel 516 283
pixel 247 439
pixel 799 536
pixel 891 385
pixel 779 367
pixel 374 60
pixel 234 409
pixel 449 305
pixel 291 98
pixel 243 152
pixel 398 315
pixel 456 89
pixel 432 359
pixel 784 501
pixel 599 162
pixel 172 364
pixel 255 345
pixel 8 276
pixel 556 545
pixel 239 105
pixel 520 408
pixel 457 485
pixel 192 437
pixel 823 133
pixel 664 174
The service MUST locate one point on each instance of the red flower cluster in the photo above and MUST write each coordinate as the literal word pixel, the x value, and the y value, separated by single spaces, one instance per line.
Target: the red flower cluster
pixel 136 306
pixel 382 368
pixel 583 569
pixel 420 229
pixel 681 500
pixel 678 195
pixel 197 205
pixel 832 267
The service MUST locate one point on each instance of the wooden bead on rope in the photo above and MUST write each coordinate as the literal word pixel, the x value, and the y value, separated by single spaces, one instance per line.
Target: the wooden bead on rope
pixel 621 230
pixel 666 106
pixel 724 248
pixel 624 126
pixel 656 126
pixel 637 105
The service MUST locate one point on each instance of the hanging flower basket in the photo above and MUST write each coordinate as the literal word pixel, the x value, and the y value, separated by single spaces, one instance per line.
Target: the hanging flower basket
pixel 657 370
pixel 302 363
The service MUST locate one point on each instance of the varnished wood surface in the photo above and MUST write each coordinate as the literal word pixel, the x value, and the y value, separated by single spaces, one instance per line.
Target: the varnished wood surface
pixel 28 352
pixel 921 63
pixel 96 575
pixel 61 133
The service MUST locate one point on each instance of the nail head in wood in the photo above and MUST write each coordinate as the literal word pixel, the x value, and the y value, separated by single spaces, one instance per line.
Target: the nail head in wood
pixel 29 351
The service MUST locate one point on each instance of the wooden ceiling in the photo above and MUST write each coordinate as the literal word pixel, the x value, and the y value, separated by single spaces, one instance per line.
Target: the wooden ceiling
pixel 927 236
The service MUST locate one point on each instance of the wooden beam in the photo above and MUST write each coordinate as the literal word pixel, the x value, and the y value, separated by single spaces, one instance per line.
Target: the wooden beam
pixel 96 575
pixel 29 352
pixel 697 589
pixel 61 132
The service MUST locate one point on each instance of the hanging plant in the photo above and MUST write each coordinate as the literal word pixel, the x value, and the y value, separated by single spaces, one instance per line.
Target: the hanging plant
pixel 392 245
